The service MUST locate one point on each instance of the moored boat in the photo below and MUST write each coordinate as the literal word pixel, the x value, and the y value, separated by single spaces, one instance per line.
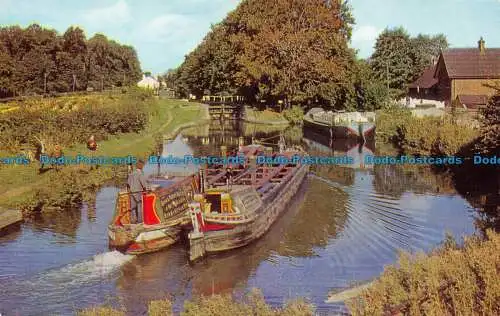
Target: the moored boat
pixel 164 208
pixel 236 209
pixel 339 125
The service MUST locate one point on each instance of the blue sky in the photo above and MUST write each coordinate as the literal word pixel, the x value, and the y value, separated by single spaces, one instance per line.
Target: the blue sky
pixel 163 31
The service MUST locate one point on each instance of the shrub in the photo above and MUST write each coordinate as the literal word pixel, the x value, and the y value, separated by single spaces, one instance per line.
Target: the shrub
pixel 67 121
pixel 422 136
pixel 433 136
pixel 449 281
pixel 221 305
pixel 389 120
pixel 294 115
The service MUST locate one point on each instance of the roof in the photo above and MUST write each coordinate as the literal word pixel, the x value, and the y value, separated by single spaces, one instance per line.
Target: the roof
pixel 148 82
pixel 472 63
pixel 426 80
pixel 472 101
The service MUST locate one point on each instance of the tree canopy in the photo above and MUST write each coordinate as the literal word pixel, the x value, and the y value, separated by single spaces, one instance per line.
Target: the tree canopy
pixel 290 50
pixel 399 59
pixel 35 60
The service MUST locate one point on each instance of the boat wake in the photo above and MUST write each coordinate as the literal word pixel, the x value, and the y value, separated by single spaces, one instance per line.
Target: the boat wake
pixel 88 271
pixel 61 288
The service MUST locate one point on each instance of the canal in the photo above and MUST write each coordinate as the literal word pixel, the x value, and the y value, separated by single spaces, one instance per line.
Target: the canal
pixel 341 229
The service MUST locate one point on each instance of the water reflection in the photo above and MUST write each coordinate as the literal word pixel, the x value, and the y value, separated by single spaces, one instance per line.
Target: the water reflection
pixel 345 224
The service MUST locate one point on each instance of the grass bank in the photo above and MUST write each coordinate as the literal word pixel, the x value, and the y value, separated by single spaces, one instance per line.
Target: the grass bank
pixel 264 117
pixel 24 188
pixel 217 305
pixel 450 281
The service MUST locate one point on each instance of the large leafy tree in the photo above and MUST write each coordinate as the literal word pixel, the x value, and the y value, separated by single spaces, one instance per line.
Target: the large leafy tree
pixel 425 50
pixel 399 59
pixel 292 50
pixel 392 60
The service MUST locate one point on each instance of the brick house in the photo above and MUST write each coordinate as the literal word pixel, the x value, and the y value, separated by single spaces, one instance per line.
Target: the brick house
pixel 461 77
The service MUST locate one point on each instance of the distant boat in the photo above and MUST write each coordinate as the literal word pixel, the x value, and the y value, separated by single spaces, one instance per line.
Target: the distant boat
pixel 340 125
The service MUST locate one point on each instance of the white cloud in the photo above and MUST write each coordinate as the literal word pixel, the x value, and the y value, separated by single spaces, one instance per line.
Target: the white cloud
pixel 363 39
pixel 117 14
pixel 365 33
pixel 168 28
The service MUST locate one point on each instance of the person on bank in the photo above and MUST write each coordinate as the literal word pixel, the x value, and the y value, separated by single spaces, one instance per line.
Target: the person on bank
pixel 92 146
pixel 136 185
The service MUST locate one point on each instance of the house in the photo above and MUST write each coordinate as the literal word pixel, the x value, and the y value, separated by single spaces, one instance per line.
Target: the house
pixel 424 90
pixel 148 82
pixel 462 77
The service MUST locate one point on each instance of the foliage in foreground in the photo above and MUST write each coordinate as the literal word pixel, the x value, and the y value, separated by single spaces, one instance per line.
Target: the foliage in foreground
pixel 217 305
pixel 450 281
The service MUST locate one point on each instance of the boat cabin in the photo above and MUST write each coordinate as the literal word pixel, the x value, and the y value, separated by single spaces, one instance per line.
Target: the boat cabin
pixel 240 199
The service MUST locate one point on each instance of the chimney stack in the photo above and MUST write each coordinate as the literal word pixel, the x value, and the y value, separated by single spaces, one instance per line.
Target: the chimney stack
pixel 481 45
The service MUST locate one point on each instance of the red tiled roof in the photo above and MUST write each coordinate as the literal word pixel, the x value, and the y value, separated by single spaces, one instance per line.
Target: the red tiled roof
pixel 471 63
pixel 426 80
pixel 473 101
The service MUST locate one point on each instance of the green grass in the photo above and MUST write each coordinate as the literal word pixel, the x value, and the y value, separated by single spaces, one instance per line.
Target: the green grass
pixel 22 187
pixel 265 116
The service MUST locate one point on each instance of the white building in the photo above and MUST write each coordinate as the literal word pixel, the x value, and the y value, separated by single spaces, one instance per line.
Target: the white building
pixel 148 83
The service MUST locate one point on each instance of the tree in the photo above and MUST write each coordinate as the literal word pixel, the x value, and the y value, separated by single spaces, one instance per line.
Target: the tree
pixel 287 50
pixel 36 60
pixel 489 142
pixel 392 59
pixel 368 93
pixel 425 51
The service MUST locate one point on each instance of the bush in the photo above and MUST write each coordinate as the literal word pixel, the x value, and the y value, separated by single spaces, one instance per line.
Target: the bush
pixel 489 142
pixel 67 121
pixel 422 136
pixel 221 305
pixel 433 136
pixel 294 115
pixel 389 120
pixel 449 281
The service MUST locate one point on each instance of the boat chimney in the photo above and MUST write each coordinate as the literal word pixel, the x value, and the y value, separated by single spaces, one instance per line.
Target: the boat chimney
pixel 481 45
pixel 202 179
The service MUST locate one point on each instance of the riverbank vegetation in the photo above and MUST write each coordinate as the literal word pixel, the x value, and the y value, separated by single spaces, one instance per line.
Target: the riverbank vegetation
pixel 446 135
pixel 450 281
pixel 70 120
pixel 24 187
pixel 38 60
pixel 264 116
pixel 216 305
pixel 411 135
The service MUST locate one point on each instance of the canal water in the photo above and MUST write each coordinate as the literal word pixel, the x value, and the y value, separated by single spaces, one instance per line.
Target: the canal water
pixel 341 229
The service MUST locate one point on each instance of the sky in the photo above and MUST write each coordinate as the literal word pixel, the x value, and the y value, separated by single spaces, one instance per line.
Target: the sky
pixel 164 31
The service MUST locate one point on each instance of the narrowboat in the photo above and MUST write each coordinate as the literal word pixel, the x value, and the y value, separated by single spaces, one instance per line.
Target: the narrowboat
pixel 238 205
pixel 341 125
pixel 164 208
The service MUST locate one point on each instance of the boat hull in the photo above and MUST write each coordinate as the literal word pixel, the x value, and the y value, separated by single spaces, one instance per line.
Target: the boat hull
pixel 352 130
pixel 138 239
pixel 236 236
